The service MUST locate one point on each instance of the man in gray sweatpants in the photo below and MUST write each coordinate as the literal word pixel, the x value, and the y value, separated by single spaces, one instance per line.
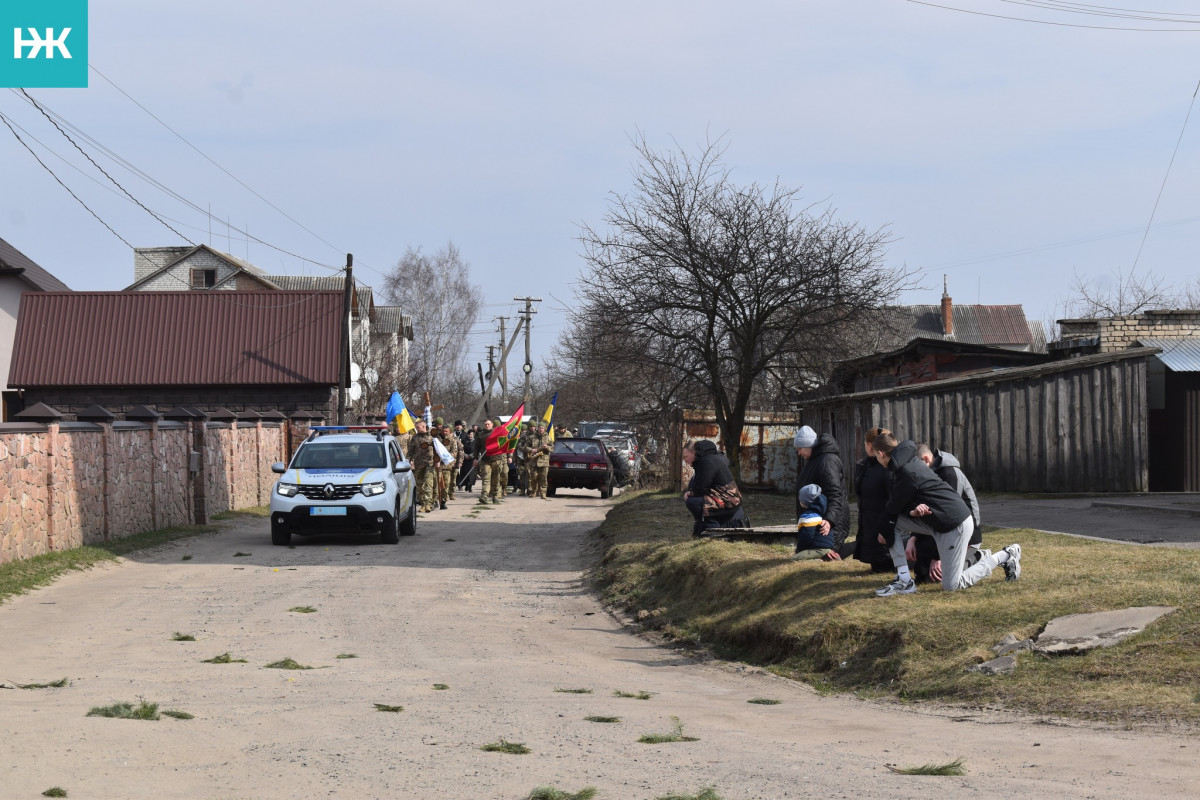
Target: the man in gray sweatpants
pixel 921 502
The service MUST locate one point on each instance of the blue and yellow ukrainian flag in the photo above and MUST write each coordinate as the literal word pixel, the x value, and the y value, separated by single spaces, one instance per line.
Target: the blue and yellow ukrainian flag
pixel 396 410
pixel 548 417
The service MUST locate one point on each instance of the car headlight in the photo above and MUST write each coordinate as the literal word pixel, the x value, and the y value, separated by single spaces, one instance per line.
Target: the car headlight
pixel 372 489
pixel 287 489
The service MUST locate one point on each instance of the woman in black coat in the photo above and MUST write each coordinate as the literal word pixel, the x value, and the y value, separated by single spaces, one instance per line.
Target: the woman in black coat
pixel 711 494
pixel 872 485
pixel 823 466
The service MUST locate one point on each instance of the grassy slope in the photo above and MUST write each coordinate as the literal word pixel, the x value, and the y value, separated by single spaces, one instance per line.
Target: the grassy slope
pixel 820 622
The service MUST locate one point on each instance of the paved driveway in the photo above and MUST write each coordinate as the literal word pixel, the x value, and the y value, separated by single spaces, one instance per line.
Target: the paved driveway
pixel 1166 519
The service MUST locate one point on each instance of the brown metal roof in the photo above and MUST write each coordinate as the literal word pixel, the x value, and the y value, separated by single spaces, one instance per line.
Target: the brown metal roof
pixel 14 259
pixel 1002 326
pixel 176 339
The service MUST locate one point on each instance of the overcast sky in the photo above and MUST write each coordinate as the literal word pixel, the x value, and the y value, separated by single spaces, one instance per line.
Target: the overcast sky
pixel 1005 154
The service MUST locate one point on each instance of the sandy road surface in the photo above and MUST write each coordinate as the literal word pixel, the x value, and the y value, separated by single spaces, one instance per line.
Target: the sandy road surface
pixel 492 606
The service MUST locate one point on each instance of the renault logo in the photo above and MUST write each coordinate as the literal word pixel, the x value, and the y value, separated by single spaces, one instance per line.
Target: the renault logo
pixel 328 490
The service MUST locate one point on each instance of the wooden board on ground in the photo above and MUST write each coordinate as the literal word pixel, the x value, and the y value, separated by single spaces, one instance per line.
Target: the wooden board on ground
pixel 763 534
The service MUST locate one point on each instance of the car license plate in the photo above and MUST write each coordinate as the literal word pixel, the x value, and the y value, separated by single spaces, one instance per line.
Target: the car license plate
pixel 575 466
pixel 330 511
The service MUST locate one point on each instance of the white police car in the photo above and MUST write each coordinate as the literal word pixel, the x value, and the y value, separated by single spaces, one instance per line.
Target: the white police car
pixel 344 479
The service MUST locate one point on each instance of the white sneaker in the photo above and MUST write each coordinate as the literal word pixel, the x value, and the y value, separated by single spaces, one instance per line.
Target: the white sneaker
pixel 897 587
pixel 1012 567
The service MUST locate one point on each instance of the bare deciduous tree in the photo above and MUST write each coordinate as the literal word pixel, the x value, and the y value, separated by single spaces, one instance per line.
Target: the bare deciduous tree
pixel 1118 294
pixel 444 305
pixel 705 285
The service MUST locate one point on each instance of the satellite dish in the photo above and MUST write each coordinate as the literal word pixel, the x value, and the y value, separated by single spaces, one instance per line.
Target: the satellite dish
pixel 355 392
pixel 372 376
pixel 355 371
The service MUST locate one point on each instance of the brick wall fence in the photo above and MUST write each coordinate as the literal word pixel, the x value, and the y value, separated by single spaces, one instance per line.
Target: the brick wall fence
pixel 1118 333
pixel 67 484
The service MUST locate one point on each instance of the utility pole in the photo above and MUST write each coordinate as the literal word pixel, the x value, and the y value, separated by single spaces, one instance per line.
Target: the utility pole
pixel 492 379
pixel 503 365
pixel 491 375
pixel 344 353
pixel 527 316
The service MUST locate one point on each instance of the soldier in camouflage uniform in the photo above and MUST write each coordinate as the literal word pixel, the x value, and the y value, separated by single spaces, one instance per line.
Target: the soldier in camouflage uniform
pixel 448 473
pixel 537 461
pixel 489 467
pixel 424 461
pixel 522 462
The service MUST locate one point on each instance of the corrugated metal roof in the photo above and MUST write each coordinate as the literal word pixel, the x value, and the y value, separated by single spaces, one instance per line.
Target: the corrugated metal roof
pixel 1179 355
pixel 1001 326
pixel 176 339
pixel 364 296
pixel 388 319
pixel 43 280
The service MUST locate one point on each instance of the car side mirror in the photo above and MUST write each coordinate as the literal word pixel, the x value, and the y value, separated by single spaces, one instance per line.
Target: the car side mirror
pixel 402 466
pixel 279 467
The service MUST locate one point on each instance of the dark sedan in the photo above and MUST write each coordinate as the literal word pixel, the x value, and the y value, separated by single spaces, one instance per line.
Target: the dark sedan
pixel 580 464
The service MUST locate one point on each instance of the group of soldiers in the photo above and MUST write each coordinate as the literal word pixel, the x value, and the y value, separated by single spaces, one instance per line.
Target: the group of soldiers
pixel 436 481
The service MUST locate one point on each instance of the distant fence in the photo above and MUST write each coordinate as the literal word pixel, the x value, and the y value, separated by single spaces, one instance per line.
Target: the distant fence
pixel 67 484
pixel 1079 425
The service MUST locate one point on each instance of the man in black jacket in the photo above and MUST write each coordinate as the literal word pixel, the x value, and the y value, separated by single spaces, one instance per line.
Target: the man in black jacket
pixel 929 506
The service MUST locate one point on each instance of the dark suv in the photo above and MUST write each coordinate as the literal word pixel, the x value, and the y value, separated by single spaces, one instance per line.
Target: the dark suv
pixel 580 464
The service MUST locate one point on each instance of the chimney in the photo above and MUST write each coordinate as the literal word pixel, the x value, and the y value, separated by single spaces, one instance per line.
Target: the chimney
pixel 947 310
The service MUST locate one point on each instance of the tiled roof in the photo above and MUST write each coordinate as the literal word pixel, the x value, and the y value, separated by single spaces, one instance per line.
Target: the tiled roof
pixel 43 280
pixel 1001 326
pixel 177 339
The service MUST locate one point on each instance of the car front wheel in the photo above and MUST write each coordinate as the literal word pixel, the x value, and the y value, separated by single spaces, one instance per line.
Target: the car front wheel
pixel 408 525
pixel 279 535
pixel 387 534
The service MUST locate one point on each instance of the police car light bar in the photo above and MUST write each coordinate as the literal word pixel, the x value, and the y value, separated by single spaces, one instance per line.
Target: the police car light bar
pixel 348 428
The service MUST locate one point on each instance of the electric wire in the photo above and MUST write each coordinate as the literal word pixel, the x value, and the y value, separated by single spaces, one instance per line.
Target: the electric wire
pixel 1049 22
pixel 101 169
pixel 4 119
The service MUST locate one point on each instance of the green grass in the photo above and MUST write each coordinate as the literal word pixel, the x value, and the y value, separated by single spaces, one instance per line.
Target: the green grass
pixel 574 691
pixel 441 687
pixel 21 577
pixel 286 663
pixel 955 767
pixel 183 637
pixel 224 658
pixel 550 793
pixel 390 709
pixel 708 793
pixel 634 695
pixel 260 512
pixel 58 684
pixel 821 623
pixel 144 710
pixel 186 558
pixel 303 610
pixel 240 554
pixel 55 791
pixel 178 714
pixel 676 735
pixel 347 655
pixel 602 719
pixel 503 746
pixel 764 701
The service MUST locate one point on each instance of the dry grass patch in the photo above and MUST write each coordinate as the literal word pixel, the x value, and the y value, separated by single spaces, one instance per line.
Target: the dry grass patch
pixel 183 637
pixel 505 746
pixel 58 684
pixel 389 709
pixel 602 719
pixel 707 793
pixel 224 658
pixel 821 622
pixel 55 791
pixel 550 793
pixel 302 610
pixel 143 710
pixel 574 691
pixel 764 701
pixel 634 695
pixel 676 735
pixel 286 663
pixel 954 768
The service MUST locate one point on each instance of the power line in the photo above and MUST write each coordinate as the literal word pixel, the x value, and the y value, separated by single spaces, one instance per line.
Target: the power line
pixel 4 119
pixel 1163 186
pixel 101 169
pixel 1048 22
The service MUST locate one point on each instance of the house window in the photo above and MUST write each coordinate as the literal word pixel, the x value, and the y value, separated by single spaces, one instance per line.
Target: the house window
pixel 204 278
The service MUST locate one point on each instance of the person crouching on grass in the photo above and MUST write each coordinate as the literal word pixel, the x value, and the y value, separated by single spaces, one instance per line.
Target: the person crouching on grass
pixel 810 542
pixel 921 502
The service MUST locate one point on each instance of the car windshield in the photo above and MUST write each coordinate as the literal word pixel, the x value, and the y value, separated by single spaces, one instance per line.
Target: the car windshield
pixel 340 455
pixel 579 448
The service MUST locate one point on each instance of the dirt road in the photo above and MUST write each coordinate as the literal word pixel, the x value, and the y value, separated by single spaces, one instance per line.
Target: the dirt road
pixel 493 607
